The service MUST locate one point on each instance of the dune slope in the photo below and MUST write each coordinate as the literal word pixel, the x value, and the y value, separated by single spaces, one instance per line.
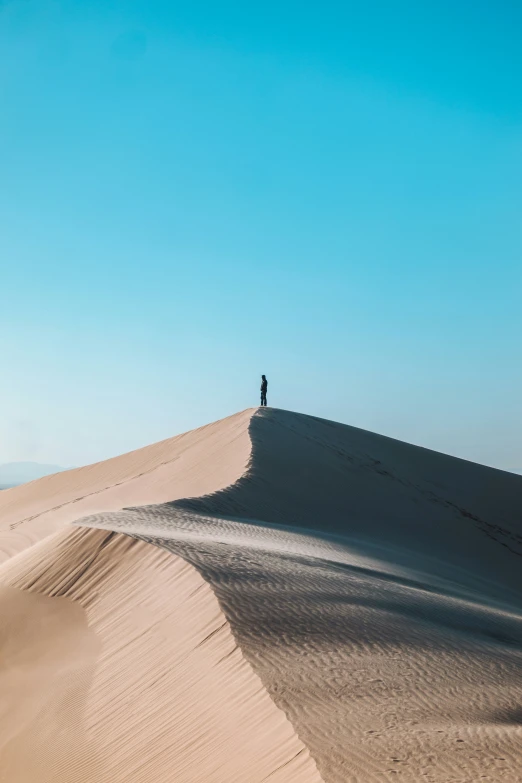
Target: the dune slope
pixel 194 463
pixel 332 478
pixel 121 667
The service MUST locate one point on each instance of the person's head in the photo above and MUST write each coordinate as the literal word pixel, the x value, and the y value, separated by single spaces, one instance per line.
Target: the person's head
pixel 263 377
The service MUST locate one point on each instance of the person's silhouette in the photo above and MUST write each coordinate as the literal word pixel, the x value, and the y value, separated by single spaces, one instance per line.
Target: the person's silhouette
pixel 264 387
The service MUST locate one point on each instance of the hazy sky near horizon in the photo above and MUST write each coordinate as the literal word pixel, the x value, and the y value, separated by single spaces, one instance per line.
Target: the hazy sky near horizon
pixel 195 193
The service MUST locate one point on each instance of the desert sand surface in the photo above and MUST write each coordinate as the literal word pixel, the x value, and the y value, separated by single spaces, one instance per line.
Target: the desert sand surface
pixel 272 597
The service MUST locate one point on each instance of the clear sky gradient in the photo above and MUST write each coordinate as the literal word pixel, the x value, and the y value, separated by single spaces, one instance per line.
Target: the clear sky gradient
pixel 192 194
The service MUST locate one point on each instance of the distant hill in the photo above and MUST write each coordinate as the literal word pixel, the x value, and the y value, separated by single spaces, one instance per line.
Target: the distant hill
pixel 14 473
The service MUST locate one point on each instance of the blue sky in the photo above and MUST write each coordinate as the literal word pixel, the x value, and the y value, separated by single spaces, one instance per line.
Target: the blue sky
pixel 196 193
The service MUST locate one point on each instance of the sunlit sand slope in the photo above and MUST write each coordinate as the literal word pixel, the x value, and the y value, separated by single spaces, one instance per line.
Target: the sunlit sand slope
pixel 118 666
pixel 195 463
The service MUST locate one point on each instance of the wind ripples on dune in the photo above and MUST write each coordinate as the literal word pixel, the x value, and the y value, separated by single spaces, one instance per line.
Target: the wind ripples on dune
pixel 383 672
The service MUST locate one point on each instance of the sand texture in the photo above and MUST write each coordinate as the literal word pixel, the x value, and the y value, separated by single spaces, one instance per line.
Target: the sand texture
pixel 122 667
pixel 307 601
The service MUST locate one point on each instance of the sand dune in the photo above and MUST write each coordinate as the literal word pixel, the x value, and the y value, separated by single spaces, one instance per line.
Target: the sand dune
pixel 373 590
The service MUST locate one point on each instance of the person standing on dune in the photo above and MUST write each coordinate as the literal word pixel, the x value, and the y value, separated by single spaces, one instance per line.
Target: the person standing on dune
pixel 264 387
